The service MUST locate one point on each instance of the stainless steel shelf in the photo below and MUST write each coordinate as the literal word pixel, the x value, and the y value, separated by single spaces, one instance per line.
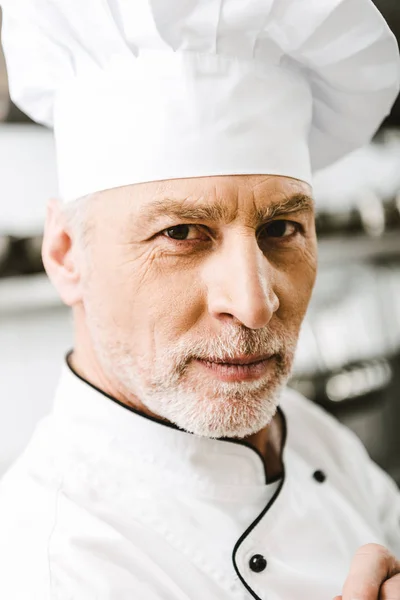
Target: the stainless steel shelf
pixel 358 248
pixel 27 293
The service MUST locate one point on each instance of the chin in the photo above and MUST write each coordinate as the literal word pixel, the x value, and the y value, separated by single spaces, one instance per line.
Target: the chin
pixel 239 431
pixel 223 419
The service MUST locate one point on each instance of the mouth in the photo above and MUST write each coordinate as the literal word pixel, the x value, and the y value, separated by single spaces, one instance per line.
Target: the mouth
pixel 240 360
pixel 239 368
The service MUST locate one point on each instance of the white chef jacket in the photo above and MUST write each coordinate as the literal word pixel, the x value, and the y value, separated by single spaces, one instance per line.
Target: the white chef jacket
pixel 108 504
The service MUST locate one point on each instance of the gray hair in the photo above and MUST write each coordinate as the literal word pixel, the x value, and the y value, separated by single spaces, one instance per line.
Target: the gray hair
pixel 77 217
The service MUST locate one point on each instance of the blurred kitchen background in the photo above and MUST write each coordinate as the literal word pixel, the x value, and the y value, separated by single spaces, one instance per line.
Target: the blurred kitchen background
pixel 349 353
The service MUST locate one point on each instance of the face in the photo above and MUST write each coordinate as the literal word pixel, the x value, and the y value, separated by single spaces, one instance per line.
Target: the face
pixel 185 273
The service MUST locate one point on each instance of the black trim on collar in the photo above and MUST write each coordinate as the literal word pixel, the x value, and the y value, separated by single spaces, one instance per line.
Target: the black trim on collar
pixel 268 480
pixel 261 515
pixel 134 410
pixel 173 426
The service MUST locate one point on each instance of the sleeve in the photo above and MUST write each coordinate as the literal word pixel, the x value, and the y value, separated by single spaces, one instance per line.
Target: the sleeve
pixel 387 500
pixel 378 488
pixel 364 482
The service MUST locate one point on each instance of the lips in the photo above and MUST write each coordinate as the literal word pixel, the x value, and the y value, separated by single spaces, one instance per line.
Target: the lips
pixel 240 360
pixel 238 369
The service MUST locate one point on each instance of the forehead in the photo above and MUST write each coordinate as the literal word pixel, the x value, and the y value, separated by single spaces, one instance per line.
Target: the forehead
pixel 227 187
pixel 219 198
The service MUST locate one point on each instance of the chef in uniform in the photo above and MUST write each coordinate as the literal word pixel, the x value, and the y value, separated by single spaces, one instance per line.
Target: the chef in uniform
pixel 176 464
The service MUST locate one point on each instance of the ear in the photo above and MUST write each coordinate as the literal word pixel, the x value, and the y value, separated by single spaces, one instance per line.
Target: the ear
pixel 58 257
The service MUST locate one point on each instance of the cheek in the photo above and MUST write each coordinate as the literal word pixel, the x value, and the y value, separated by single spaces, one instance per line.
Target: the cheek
pixel 112 290
pixel 295 285
pixel 138 295
pixel 179 302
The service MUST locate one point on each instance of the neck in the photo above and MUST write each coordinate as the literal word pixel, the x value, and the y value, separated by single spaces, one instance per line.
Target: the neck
pixel 268 442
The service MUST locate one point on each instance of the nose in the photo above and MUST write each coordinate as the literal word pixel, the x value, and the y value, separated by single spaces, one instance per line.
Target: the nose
pixel 241 283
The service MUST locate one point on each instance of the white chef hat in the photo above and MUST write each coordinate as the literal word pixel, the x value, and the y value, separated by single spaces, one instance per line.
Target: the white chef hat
pixel 145 90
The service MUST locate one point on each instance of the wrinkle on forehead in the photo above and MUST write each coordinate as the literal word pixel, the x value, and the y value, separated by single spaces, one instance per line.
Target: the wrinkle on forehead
pixel 224 200
pixel 215 212
pixel 217 199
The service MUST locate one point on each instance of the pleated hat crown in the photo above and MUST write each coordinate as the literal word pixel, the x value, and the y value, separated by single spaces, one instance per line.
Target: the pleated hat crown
pixel 145 90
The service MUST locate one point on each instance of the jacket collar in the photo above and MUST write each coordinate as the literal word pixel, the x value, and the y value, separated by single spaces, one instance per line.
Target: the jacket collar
pixel 102 421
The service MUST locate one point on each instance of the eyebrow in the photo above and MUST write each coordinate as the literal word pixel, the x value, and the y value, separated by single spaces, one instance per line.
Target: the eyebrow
pixel 167 207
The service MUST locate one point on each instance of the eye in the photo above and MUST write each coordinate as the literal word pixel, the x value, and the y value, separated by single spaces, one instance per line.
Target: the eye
pixel 178 233
pixel 281 229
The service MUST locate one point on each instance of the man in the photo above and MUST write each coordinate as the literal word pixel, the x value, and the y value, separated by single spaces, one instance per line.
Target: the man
pixel 175 464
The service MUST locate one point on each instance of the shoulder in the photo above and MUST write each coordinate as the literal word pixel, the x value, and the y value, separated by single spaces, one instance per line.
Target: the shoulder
pixel 28 507
pixel 319 439
pixel 313 432
pixel 311 417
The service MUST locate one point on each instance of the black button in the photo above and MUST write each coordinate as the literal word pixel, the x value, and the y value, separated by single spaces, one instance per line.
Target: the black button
pixel 257 563
pixel 319 476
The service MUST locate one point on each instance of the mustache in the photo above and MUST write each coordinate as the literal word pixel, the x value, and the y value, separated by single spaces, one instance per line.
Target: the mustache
pixel 175 360
pixel 242 341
